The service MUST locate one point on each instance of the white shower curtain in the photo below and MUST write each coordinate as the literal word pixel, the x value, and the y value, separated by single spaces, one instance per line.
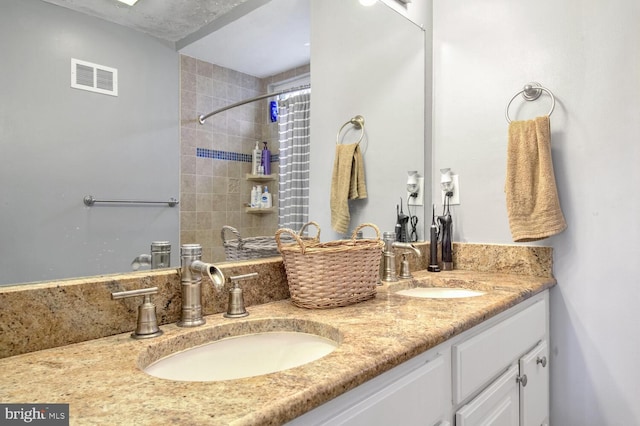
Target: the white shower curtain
pixel 293 131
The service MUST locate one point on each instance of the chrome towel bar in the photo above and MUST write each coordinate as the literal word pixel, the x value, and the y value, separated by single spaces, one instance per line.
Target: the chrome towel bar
pixel 531 92
pixel 89 200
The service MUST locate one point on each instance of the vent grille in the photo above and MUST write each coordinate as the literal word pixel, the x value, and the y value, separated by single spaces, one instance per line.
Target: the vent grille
pixel 94 77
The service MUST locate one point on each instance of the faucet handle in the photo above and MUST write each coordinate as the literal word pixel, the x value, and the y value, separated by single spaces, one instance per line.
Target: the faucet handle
pixel 404 267
pixel 147 325
pixel 237 278
pixel 236 309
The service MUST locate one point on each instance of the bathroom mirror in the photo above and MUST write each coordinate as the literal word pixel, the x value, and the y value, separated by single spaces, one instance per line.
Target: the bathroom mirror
pixel 44 239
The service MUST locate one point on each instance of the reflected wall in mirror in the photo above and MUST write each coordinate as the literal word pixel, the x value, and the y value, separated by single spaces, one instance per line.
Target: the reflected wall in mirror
pixel 59 144
pixel 373 62
pixel 65 143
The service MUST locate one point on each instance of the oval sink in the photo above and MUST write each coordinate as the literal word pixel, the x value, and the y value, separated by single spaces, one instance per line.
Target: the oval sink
pixel 440 288
pixel 261 347
pixel 440 292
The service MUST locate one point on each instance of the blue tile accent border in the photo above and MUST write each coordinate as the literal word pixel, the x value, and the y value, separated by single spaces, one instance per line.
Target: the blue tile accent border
pixel 229 156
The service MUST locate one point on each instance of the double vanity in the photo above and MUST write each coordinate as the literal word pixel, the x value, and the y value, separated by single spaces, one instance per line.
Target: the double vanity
pixel 469 344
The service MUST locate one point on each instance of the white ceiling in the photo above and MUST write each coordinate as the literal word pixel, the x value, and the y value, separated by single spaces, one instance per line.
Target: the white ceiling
pixel 257 37
pixel 266 41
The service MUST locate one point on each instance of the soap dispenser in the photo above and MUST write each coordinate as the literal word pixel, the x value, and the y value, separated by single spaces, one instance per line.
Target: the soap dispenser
pixel 266 201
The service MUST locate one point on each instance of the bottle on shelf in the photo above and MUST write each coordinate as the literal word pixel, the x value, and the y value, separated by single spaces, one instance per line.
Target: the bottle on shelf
pixel 256 159
pixel 266 201
pixel 266 160
pixel 254 197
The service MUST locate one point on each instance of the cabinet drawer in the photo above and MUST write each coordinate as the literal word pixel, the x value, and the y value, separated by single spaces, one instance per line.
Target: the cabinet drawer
pixel 481 358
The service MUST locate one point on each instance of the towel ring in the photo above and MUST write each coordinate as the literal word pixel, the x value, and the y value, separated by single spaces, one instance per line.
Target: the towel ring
pixel 531 92
pixel 357 122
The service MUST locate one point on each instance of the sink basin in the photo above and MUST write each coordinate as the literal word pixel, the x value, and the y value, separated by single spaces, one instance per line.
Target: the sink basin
pixel 440 288
pixel 440 292
pixel 234 351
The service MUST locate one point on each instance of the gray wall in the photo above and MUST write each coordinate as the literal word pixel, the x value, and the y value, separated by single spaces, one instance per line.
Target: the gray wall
pixel 587 54
pixel 379 74
pixel 58 144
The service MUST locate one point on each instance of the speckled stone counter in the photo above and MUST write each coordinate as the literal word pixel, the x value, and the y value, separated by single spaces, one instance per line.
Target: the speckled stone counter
pixel 57 313
pixel 102 381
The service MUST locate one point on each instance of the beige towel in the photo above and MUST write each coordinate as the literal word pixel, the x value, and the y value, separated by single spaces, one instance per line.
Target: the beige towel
pixel 532 198
pixel 347 183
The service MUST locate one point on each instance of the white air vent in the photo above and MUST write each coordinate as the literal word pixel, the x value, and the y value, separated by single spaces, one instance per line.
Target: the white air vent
pixel 94 77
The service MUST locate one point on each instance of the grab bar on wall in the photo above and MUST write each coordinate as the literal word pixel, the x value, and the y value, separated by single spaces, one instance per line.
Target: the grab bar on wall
pixel 531 92
pixel 89 200
pixel 202 118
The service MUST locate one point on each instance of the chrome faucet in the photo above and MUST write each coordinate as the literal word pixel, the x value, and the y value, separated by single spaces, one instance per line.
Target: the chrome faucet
pixel 160 256
pixel 389 257
pixel 192 271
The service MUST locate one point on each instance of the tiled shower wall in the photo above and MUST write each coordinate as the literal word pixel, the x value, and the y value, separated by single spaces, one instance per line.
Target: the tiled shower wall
pixel 216 157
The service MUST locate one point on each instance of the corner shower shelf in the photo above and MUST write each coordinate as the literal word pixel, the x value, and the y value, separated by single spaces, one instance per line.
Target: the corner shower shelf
pixel 258 210
pixel 260 178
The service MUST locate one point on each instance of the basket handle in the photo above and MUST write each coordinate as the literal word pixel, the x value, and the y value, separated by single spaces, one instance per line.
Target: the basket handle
pixel 306 225
pixel 293 233
pixel 234 231
pixel 363 225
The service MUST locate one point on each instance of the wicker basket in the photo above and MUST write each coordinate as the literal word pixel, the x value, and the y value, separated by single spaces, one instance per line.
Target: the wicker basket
pixel 331 274
pixel 257 247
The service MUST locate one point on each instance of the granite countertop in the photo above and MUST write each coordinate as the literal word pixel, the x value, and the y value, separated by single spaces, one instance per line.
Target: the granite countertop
pixel 103 384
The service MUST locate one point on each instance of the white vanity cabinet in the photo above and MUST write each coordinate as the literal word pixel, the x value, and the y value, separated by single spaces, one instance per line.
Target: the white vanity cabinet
pixel 497 405
pixel 475 378
pixel 516 351
pixel 520 396
pixel 417 392
pixel 534 396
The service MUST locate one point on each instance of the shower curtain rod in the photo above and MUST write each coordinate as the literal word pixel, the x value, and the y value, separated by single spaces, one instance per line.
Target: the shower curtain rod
pixel 202 118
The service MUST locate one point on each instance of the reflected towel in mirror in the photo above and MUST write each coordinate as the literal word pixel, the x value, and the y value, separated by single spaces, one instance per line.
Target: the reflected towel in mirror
pixel 347 183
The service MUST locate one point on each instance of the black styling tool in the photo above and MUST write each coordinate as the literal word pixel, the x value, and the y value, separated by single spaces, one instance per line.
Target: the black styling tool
pixel 445 234
pixel 401 224
pixel 433 248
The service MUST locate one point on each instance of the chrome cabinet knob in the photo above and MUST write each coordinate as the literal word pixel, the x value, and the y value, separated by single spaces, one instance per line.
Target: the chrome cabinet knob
pixel 522 380
pixel 542 361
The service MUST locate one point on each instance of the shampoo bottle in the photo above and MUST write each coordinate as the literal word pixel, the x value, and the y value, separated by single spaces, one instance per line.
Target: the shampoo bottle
pixel 256 160
pixel 266 200
pixel 254 196
pixel 258 199
pixel 266 159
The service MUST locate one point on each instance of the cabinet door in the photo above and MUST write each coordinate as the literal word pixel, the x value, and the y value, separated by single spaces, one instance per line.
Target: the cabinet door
pixel 418 398
pixel 497 405
pixel 534 396
pixel 477 360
